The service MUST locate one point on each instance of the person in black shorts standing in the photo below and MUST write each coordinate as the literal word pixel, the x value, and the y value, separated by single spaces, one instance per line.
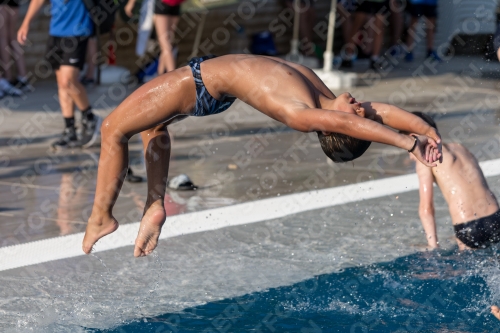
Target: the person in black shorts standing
pixel 418 9
pixel 166 18
pixel 10 51
pixel 372 14
pixel 70 28
pixel 345 9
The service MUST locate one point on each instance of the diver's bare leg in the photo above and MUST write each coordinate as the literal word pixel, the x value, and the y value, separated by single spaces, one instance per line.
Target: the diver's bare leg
pixel 157 157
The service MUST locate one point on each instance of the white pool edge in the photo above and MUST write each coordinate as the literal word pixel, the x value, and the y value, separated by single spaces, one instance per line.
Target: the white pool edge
pixel 65 247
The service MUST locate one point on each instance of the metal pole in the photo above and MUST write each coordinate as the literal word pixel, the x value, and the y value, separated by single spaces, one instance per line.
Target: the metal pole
pixel 296 22
pixel 328 55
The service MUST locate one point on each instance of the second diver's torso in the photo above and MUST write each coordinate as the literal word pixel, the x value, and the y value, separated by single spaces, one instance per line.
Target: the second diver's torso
pixel 463 185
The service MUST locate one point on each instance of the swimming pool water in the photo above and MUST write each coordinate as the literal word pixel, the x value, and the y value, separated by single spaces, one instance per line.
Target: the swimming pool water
pixel 440 291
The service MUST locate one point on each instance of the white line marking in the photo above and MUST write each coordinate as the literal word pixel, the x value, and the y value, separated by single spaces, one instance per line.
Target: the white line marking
pixel 262 210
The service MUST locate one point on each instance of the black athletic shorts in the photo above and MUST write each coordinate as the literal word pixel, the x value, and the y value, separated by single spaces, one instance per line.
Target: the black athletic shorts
pixel 70 51
pixel 479 233
pixel 10 3
pixel 429 11
pixel 162 8
pixel 349 5
pixel 373 7
pixel 307 3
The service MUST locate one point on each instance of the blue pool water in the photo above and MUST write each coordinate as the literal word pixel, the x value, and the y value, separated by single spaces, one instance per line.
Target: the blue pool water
pixel 440 291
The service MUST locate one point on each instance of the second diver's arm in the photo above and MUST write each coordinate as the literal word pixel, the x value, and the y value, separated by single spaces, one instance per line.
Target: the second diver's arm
pixel 426 205
pixel 399 119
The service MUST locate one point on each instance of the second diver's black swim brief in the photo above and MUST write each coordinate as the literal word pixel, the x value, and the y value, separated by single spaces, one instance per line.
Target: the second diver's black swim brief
pixel 479 233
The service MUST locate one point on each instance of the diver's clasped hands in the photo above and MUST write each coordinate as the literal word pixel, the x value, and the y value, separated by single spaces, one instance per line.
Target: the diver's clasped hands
pixel 434 135
pixel 427 149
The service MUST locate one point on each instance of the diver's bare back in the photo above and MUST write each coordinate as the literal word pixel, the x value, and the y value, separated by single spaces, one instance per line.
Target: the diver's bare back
pixel 463 185
pixel 271 86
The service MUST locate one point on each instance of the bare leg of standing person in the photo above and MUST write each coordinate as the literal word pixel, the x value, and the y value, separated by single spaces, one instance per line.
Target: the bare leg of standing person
pixel 431 29
pixel 18 53
pixel 359 20
pixel 378 39
pixel 307 19
pixel 348 49
pixel 6 51
pixel 165 26
pixel 306 22
pixel 70 90
pixel 431 32
pixel 397 23
pixel 346 23
pixel 410 38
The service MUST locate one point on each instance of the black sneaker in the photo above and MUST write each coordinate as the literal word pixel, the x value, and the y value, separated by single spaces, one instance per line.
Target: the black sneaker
pixel 375 64
pixel 86 81
pixel 90 131
pixel 67 140
pixel 346 63
pixel 131 178
pixel 23 84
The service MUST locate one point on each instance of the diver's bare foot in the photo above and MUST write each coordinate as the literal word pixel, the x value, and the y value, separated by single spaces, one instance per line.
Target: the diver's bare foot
pixel 495 311
pixel 149 230
pixel 96 229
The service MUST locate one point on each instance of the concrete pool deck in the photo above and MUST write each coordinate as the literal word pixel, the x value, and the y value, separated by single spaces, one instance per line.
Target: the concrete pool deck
pixel 238 156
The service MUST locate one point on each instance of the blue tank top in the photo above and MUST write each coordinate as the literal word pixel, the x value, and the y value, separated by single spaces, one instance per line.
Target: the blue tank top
pixel 70 18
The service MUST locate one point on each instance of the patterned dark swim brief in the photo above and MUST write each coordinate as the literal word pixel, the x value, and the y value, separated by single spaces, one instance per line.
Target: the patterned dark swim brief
pixel 205 104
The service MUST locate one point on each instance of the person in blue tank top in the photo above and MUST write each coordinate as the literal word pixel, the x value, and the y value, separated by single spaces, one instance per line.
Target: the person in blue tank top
pixel 70 28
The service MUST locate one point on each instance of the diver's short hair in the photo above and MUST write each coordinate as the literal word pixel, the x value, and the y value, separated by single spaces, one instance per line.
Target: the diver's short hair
pixel 425 117
pixel 342 148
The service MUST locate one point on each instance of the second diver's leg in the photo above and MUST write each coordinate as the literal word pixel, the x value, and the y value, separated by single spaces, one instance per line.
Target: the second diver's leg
pixel 156 143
